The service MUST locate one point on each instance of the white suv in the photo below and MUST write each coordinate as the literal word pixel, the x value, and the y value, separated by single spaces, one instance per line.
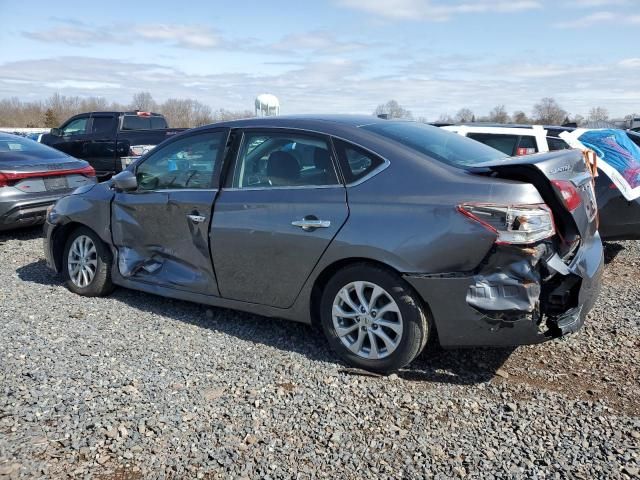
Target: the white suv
pixel 515 140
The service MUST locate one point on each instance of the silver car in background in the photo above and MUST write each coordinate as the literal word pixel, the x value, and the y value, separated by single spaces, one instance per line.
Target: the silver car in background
pixel 33 177
pixel 384 233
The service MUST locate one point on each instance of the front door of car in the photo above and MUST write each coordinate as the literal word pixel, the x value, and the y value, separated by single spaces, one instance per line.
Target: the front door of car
pixel 161 230
pixel 282 206
pixel 73 137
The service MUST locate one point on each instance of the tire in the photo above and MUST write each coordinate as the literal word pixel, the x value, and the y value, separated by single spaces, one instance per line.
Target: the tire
pixel 98 260
pixel 405 324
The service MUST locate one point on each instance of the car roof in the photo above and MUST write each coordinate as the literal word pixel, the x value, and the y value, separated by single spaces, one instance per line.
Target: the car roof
pixel 325 124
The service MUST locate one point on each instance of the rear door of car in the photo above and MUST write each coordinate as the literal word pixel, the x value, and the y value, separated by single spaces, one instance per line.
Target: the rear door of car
pixel 282 205
pixel 100 149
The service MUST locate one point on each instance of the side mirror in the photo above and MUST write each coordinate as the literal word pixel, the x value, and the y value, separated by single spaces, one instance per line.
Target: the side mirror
pixel 56 132
pixel 125 181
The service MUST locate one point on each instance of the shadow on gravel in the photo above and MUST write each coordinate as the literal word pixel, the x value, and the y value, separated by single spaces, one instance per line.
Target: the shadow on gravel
pixel 460 367
pixel 28 233
pixel 611 251
pixel 37 272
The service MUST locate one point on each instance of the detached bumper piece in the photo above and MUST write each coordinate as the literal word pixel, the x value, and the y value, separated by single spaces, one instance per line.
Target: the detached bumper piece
pixel 518 296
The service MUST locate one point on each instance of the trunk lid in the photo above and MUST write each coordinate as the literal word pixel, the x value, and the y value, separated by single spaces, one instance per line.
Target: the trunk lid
pixel 549 173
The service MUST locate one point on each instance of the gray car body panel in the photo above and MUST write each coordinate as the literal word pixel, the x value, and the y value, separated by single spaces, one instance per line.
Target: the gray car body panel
pixel 25 203
pixel 402 216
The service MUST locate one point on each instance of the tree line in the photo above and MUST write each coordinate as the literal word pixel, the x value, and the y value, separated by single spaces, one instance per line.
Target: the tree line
pixel 546 112
pixel 51 112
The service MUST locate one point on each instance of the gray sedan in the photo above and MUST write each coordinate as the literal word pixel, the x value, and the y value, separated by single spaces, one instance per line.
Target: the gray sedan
pixel 384 233
pixel 33 177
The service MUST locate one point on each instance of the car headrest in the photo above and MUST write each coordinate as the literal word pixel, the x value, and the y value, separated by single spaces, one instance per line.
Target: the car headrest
pixel 283 167
pixel 321 158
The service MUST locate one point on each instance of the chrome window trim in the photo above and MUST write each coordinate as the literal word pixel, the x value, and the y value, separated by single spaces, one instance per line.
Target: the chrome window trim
pixel 283 187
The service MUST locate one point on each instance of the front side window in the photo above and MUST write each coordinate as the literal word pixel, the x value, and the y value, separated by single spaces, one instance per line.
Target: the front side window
pixel 269 160
pixel 76 127
pixel 436 143
pixel 186 163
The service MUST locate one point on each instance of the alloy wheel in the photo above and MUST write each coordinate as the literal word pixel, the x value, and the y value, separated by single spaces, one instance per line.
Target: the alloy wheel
pixel 367 320
pixel 82 262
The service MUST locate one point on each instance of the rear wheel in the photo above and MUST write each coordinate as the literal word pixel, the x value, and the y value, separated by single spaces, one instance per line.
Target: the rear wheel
pixel 373 319
pixel 86 264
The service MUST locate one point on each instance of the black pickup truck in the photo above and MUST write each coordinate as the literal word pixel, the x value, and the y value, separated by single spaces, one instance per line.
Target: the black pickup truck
pixel 104 138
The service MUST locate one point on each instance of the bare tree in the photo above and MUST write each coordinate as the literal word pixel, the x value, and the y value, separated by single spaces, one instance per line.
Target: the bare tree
pixel 598 114
pixel 499 115
pixel 143 101
pixel 548 112
pixel 50 119
pixel 464 115
pixel 445 118
pixel 578 119
pixel 393 110
pixel 520 117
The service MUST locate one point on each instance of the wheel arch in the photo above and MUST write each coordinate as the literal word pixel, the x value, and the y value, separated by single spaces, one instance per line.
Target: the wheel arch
pixel 331 269
pixel 59 240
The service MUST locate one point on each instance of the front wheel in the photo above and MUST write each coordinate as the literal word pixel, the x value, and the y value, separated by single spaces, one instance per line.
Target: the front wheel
pixel 373 319
pixel 87 264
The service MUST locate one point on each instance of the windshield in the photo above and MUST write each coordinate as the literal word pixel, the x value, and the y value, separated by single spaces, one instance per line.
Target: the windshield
pixel 441 145
pixel 13 147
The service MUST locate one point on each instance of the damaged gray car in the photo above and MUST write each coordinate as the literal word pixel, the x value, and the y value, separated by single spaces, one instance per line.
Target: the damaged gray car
pixel 384 233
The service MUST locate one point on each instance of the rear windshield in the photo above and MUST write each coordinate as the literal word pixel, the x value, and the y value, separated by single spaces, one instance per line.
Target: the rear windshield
pixel 14 147
pixel 441 145
pixel 135 122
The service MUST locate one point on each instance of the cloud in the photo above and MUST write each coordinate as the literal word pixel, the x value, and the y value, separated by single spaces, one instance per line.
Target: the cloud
pixel 599 18
pixel 182 36
pixel 436 10
pixel 81 35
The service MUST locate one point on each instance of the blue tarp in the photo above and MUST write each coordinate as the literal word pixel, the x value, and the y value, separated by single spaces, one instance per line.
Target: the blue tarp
pixel 616 149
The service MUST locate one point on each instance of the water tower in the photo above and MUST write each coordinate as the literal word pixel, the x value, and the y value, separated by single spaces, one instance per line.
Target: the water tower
pixel 267 105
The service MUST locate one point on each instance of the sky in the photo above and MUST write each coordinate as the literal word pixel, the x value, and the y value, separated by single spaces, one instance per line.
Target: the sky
pixel 329 56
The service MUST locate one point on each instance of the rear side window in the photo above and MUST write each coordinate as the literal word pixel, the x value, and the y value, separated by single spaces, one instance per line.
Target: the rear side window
pixel 505 143
pixel 356 162
pixel 269 160
pixel 137 122
pixel 436 143
pixel 557 144
pixel 102 124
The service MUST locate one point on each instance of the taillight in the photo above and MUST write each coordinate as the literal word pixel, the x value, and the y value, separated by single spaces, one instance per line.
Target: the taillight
pixel 520 151
pixel 11 178
pixel 513 224
pixel 569 193
pixel 87 171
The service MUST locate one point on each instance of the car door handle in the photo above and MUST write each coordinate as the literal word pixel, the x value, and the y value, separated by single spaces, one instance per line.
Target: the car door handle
pixel 196 218
pixel 309 224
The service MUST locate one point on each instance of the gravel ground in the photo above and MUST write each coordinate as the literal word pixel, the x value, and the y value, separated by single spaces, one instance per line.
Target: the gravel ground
pixel 137 386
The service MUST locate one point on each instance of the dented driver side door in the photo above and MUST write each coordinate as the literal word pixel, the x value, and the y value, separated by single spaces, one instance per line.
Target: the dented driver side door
pixel 161 230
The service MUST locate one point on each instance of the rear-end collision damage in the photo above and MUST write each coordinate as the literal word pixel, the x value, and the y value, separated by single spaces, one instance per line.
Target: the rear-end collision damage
pixel 541 276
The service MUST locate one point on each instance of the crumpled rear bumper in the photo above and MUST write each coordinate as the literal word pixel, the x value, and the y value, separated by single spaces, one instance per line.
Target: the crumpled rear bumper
pixel 450 298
